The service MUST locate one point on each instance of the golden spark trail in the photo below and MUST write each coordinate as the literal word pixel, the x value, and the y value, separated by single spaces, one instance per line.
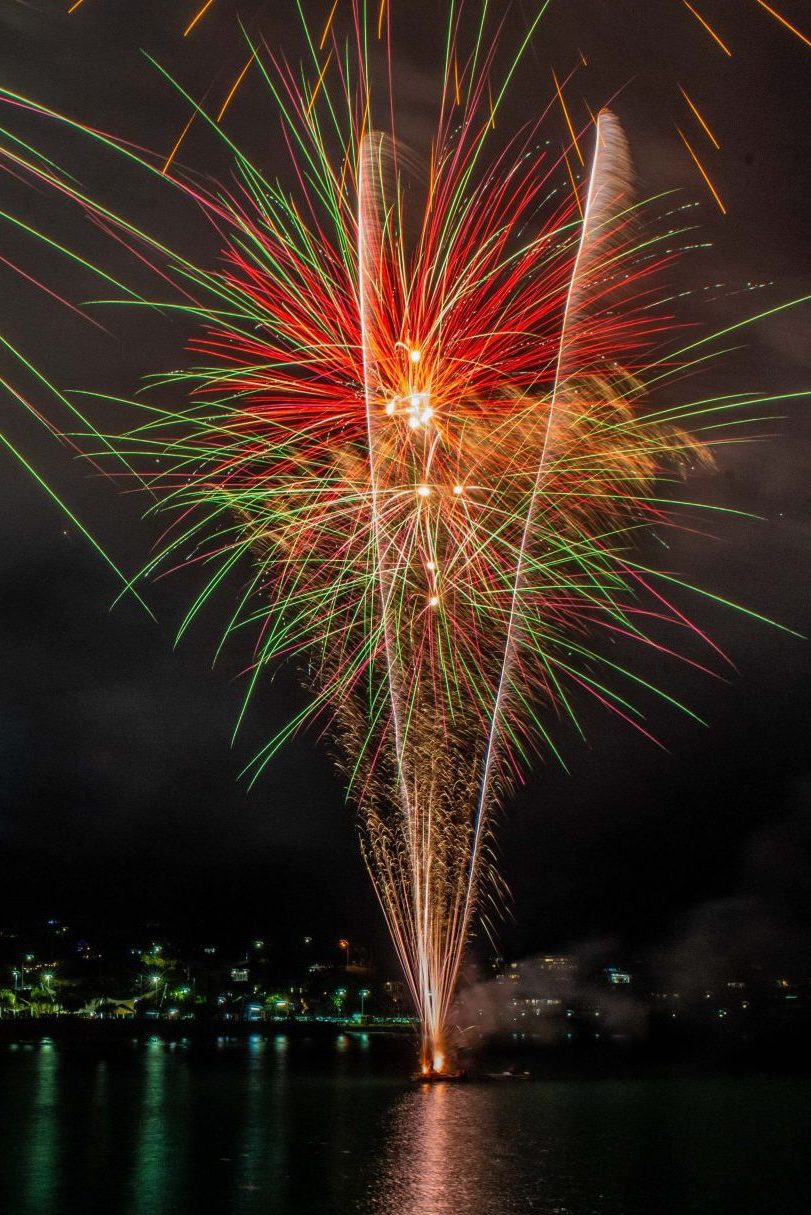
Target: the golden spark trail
pixel 199 15
pixel 784 21
pixel 708 28
pixel 569 124
pixel 700 118
pixel 573 183
pixel 168 162
pixel 702 171
pixel 328 25
pixel 233 90
pixel 318 84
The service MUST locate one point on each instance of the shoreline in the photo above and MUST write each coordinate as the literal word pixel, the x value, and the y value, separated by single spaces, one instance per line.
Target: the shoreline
pixel 395 1047
pixel 85 1029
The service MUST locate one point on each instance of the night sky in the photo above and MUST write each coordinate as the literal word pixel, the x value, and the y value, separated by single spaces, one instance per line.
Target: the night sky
pixel 121 796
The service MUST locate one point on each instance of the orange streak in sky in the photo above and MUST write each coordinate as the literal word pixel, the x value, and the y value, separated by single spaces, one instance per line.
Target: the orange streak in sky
pixel 328 26
pixel 200 14
pixel 176 148
pixel 703 173
pixel 318 84
pixel 234 88
pixel 575 190
pixel 575 144
pixel 708 28
pixel 700 117
pixel 779 17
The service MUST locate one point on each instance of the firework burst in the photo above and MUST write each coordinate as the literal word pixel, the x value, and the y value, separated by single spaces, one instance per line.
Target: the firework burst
pixel 418 403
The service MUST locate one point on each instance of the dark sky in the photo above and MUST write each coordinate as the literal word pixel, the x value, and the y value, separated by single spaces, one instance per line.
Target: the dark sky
pixel 120 791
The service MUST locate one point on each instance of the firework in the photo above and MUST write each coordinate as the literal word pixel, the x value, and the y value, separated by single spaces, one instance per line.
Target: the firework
pixel 417 410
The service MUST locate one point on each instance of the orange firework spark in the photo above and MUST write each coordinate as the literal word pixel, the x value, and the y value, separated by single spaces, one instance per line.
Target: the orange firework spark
pixel 575 191
pixel 197 17
pixel 233 89
pixel 569 124
pixel 784 21
pixel 703 172
pixel 700 118
pixel 708 28
pixel 328 26
pixel 318 84
pixel 168 162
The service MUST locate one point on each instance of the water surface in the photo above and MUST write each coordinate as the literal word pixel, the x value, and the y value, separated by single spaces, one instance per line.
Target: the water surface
pixel 280 1126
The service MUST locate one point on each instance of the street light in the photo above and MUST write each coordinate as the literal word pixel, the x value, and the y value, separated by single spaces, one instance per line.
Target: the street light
pixel 363 993
pixel 344 944
pixel 29 957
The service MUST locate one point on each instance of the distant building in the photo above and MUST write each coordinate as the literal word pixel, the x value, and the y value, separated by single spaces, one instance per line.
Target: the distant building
pixel 619 978
pixel 558 963
pixel 396 993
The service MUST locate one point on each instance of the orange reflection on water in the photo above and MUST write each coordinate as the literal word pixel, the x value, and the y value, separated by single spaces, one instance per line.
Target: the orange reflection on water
pixel 434 1156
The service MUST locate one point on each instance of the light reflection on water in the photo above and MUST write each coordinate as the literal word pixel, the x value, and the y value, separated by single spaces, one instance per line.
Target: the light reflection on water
pixel 464 1150
pixel 42 1149
pixel 281 1125
pixel 429 1164
pixel 154 1176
